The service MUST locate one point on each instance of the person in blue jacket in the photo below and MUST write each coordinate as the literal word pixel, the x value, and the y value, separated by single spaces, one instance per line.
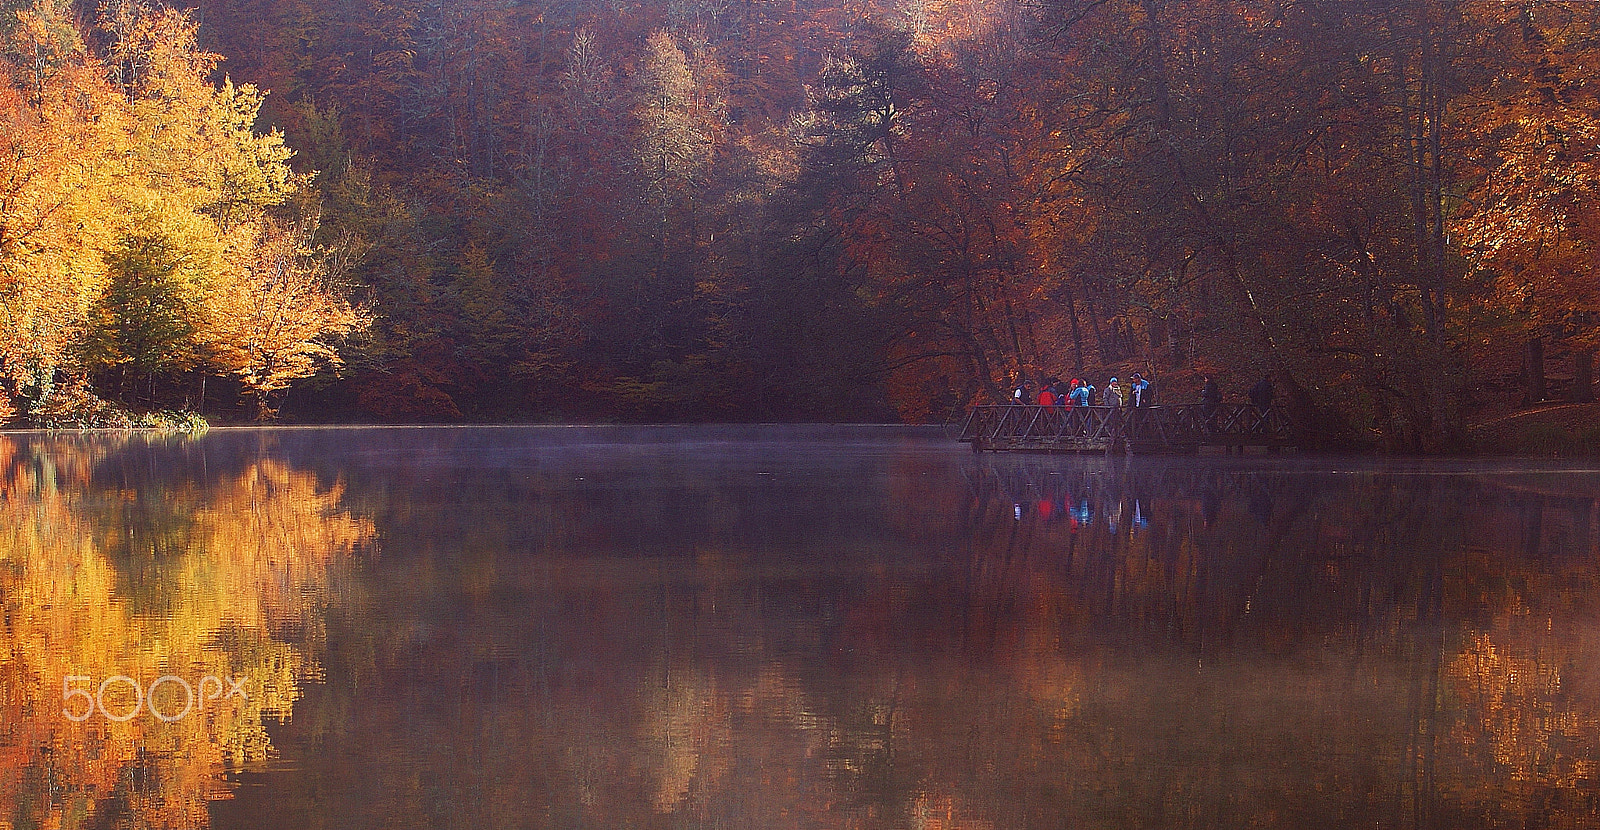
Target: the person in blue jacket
pixel 1080 393
pixel 1140 390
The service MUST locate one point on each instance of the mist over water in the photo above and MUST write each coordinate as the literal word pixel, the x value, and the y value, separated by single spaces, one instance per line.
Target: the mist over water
pixel 786 627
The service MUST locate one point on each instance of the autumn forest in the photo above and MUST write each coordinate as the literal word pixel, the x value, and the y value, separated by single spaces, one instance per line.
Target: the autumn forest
pixel 792 210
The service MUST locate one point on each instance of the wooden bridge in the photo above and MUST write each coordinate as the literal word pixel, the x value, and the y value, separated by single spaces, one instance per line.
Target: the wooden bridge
pixel 1157 429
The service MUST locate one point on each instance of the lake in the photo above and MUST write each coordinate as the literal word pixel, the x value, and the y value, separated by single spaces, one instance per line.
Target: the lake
pixel 786 627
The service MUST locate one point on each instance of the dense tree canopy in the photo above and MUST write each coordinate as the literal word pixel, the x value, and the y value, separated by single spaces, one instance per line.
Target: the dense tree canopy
pixel 801 209
pixel 132 185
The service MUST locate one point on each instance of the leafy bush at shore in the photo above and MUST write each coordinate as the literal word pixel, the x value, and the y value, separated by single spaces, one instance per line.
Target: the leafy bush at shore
pixel 172 421
pixel 74 405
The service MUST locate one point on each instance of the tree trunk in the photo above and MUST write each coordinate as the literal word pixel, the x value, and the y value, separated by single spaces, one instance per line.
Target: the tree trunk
pixel 1536 388
pixel 1583 377
pixel 1108 353
pixel 1077 333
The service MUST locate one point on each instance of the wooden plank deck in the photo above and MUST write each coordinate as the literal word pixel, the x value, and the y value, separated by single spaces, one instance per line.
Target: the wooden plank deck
pixel 1185 428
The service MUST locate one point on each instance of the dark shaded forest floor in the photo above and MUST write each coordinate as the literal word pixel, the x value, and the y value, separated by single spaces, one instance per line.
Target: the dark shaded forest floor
pixel 1554 429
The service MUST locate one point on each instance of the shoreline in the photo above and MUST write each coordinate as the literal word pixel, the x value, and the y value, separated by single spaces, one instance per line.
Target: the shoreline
pixel 1559 431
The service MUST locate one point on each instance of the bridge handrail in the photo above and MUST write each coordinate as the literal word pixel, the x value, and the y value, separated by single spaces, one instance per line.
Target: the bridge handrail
pixel 1167 424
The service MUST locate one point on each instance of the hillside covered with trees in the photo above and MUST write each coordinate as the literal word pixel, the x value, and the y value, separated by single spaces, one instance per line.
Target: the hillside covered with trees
pixel 796 209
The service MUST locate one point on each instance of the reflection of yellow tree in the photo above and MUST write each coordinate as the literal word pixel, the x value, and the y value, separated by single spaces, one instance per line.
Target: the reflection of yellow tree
pixel 237 568
pixel 685 721
pixel 1515 718
pixel 1514 701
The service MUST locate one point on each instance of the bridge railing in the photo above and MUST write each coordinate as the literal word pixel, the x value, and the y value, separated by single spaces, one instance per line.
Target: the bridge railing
pixel 1010 423
pixel 1180 425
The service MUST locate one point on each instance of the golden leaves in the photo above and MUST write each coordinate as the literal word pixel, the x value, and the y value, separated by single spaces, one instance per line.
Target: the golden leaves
pixel 277 318
pixel 156 151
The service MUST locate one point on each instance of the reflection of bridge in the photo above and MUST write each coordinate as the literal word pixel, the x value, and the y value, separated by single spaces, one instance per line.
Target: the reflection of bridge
pixel 1183 428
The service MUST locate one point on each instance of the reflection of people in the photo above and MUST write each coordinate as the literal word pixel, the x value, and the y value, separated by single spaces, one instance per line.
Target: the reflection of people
pixel 1210 506
pixel 1082 513
pixel 1210 399
pixel 1261 506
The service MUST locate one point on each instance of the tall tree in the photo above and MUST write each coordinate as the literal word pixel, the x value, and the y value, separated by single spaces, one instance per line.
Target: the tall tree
pixel 145 320
pixel 1527 227
pixel 677 123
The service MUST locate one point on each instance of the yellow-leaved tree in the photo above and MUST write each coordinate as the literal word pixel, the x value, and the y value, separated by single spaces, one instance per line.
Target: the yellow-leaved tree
pixel 62 133
pixel 279 315
pixel 143 218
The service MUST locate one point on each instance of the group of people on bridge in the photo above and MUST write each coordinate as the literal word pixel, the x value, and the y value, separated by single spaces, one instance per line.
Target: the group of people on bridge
pixel 1054 391
pixel 1139 392
pixel 1075 416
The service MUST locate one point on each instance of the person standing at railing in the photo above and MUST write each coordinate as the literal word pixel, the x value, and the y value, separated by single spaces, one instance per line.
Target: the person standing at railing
pixel 1261 398
pixel 1210 399
pixel 1080 393
pixel 1262 393
pixel 1142 395
pixel 1113 395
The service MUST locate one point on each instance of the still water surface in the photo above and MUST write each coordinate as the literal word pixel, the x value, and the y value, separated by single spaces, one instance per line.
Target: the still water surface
pixel 785 627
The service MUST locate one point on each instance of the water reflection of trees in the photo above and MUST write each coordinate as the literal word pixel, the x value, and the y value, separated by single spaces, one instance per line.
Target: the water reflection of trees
pixel 145 558
pixel 1390 645
pixel 565 640
pixel 1048 642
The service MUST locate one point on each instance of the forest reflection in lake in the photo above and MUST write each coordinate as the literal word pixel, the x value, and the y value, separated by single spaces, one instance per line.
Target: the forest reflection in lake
pixel 788 627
